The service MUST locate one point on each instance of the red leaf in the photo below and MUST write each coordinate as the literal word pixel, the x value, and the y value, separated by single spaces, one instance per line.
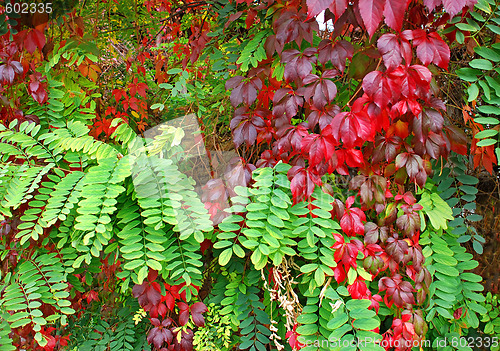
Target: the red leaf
pixel 409 222
pixel 321 90
pixel 250 18
pixel 9 70
pixel 353 158
pixel 319 147
pixel 294 338
pixel 374 233
pixel 457 138
pixel 336 52
pixel 298 64
pixel 412 162
pixel 353 128
pixel 245 125
pixel 314 7
pixel 358 289
pixel 171 294
pixel 431 48
pixel 394 49
pixel 414 82
pixel 338 7
pixel 92 296
pixel 245 90
pixel 394 12
pixel 287 102
pixel 398 291
pixel 238 173
pixel 302 183
pixel 371 189
pixel 292 26
pixel 371 12
pixel 352 220
pixel 37 88
pixel 148 294
pixel 379 88
pixel 453 7
pixel 197 310
pixel 183 313
pixel 118 94
pixel 233 17
pixel 432 4
pixel 386 148
pixel 397 249
pixel 34 39
pixel 160 334
pixel 324 118
pixel 184 342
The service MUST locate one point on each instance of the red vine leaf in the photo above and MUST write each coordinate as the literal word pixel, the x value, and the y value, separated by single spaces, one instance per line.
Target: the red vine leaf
pixel 352 220
pixel 298 64
pixel 314 7
pixel 353 128
pixel 336 52
pixel 321 90
pixel 34 39
pixel 394 49
pixel 394 12
pixel 453 7
pixel 160 333
pixel 302 182
pixel 245 126
pixel 338 7
pixel 286 101
pixel 371 12
pixel 379 88
pixel 319 147
pixel 244 90
pixel 431 48
pixel 398 291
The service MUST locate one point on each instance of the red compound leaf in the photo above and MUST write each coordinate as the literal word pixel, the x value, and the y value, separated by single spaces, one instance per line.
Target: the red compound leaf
pixel 320 89
pixel 148 293
pixel 352 220
pixel 160 334
pixel 319 147
pixel 431 48
pixel 34 39
pixel 337 52
pixel 245 90
pixel 353 128
pixel 302 182
pixel 298 64
pixel 245 126
pixel 397 290
pixel 394 49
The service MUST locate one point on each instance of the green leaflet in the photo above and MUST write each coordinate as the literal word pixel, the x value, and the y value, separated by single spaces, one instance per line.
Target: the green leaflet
pixel 451 286
pixel 5 329
pixel 33 223
pixel 436 209
pixel 253 51
pixel 100 189
pixel 40 279
pixel 75 138
pixel 27 143
pixel 65 195
pixel 116 332
pixel 253 319
pixel 17 183
pixel 345 321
